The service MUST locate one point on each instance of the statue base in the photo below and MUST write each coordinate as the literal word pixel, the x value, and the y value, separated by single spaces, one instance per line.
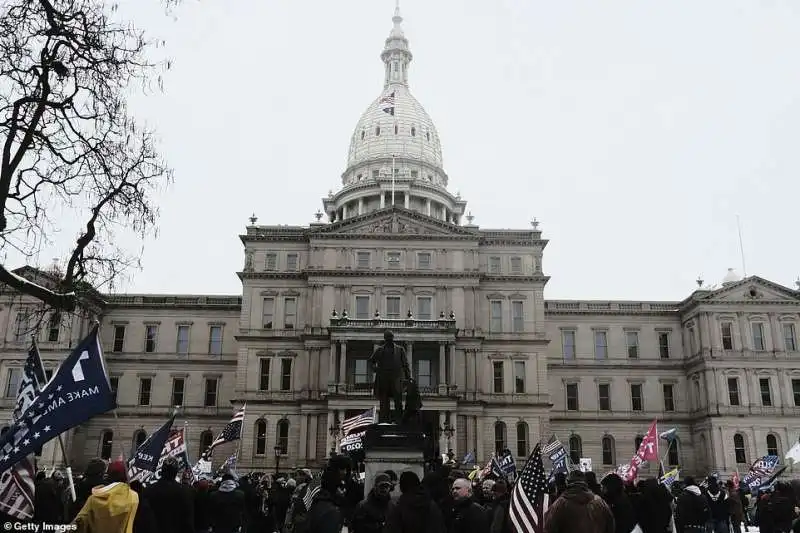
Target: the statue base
pixel 392 447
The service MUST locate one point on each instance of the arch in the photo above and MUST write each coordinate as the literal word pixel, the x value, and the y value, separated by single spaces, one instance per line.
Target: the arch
pixel 206 438
pixel 106 443
pixel 674 453
pixel 499 436
pixel 739 451
pixel 282 437
pixel 139 436
pixel 575 448
pixel 260 445
pixel 772 444
pixel 522 439
pixel 609 450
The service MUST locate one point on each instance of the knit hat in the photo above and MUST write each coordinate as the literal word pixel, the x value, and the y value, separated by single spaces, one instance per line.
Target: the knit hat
pixel 117 470
pixel 382 478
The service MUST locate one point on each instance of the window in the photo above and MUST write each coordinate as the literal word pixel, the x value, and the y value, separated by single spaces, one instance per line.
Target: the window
pixel 113 382
pixel 663 344
pixel 138 439
pixel 632 344
pixel 376 173
pixel 499 436
pixel 517 317
pixel 424 373
pixel 178 386
pixel 668 389
pixel 766 394
pixel 215 340
pixel 21 326
pixel 210 396
pixel 106 443
pixel 608 450
pixel 424 260
pixel 424 308
pixel 362 259
pixel 516 265
pixel 283 437
pixel 772 444
pixel 289 313
pixel 636 397
pixel 413 131
pixel 119 339
pixel 150 338
pixel 261 437
pixel 414 174
pixel 738 449
pixel 291 262
pixel 496 316
pixel 572 396
pixel 726 328
pixel 733 391
pixel 789 338
pixel 393 307
pixel 377 130
pixel 54 327
pixel 758 336
pixel 519 378
pixel 692 342
pixel 600 345
pixel 183 340
pixel 604 396
pixel 522 439
pixel 796 392
pixel 268 313
pixel 497 377
pixel 12 382
pixel 361 374
pixel 494 265
pixel 673 453
pixel 568 344
pixel 263 373
pixel 575 449
pixel 271 262
pixel 145 386
pixel 393 259
pixel 206 438
pixel 362 307
pixel 286 374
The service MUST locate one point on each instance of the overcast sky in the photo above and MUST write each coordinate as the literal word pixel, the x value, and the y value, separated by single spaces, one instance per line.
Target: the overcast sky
pixel 635 131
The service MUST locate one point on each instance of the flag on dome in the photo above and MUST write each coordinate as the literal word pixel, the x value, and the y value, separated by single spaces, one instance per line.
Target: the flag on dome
pixel 231 432
pixel 387 103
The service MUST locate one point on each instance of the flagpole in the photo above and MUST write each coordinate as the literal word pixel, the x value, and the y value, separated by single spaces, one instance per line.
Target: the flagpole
pixel 241 432
pixel 392 180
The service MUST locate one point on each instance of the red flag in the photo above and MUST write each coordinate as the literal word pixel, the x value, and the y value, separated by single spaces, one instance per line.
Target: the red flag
pixel 648 451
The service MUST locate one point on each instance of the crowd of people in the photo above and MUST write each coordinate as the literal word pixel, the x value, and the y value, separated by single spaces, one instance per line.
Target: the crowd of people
pixel 444 500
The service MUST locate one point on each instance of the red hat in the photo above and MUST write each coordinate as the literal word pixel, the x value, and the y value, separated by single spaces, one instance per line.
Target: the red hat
pixel 117 470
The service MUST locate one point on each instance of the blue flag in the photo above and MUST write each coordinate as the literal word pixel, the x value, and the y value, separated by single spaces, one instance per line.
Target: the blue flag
pixel 148 453
pixel 78 391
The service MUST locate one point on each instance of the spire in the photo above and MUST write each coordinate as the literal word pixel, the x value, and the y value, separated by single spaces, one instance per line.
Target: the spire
pixel 396 55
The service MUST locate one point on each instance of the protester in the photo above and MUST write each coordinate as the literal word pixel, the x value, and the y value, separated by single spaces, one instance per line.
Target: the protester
pixel 468 516
pixel 370 514
pixel 109 508
pixel 614 495
pixel 579 509
pixel 415 511
pixel 691 509
pixel 172 503
pixel 324 516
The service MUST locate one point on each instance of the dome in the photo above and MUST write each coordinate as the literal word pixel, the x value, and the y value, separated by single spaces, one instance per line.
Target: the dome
pixel 731 277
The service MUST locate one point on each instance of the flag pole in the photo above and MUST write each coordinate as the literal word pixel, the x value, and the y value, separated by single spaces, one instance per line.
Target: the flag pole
pixel 241 432
pixel 393 180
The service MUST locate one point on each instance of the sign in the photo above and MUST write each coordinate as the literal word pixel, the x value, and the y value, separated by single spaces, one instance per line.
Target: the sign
pixel 586 464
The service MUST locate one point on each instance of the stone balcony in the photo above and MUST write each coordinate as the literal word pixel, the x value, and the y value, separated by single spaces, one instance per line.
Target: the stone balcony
pixel 344 321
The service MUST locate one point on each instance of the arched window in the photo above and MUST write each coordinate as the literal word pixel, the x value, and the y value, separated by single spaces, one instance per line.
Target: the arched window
pixel 413 131
pixel 673 454
pixel 283 436
pixel 139 437
pixel 637 442
pixel 522 439
pixel 772 444
pixel 106 442
pixel 428 135
pixel 608 450
pixel 261 437
pixel 206 438
pixel 499 436
pixel 575 449
pixel 363 134
pixel 738 449
pixel 4 430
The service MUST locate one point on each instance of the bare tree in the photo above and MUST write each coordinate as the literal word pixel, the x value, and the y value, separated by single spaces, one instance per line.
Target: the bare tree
pixel 70 144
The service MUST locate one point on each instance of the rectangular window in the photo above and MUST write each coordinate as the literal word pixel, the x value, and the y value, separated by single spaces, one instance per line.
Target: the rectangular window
pixel 289 313
pixel 636 397
pixel 496 316
pixel 758 336
pixel 145 386
pixel 150 338
pixel 54 327
pixel 692 342
pixel 663 344
pixel 286 374
pixel 424 261
pixel 361 375
pixel 519 377
pixel 291 262
pixel 796 392
pixel 516 265
pixel 494 265
pixel 568 344
pixel 517 317
pixel 263 373
pixel 766 393
pixel 12 382
pixel 393 307
pixel 113 382
pixel 726 328
pixel 362 259
pixel 215 340
pixel 572 396
pixel 119 339
pixel 789 338
pixel 604 396
pixel 600 345
pixel 497 377
pixel 210 397
pixel 271 262
pixel 182 345
pixel 393 259
pixel 733 391
pixel 632 344
pixel 21 326
pixel 362 307
pixel 375 173
pixel 669 396
pixel 178 385
pixel 268 313
pixel 424 373
pixel 424 308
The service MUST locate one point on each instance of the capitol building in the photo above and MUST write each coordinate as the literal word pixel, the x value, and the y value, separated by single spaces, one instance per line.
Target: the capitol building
pixel 499 366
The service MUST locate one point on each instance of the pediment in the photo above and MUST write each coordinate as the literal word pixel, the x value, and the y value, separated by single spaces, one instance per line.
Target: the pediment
pixel 394 222
pixel 754 289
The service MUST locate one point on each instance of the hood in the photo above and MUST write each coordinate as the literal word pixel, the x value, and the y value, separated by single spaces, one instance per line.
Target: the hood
pixel 228 485
pixel 716 496
pixel 694 489
pixel 118 498
pixel 578 493
pixel 415 500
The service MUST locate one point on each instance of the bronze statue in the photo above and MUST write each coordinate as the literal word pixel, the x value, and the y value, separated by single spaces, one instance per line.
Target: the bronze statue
pixel 390 365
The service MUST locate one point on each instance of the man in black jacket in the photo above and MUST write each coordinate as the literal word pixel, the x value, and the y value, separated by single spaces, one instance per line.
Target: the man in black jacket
pixel 370 514
pixel 468 516
pixel 324 515
pixel 172 503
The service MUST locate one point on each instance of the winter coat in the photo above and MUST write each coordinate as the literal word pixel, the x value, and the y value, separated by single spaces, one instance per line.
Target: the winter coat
pixel 500 522
pixel 653 508
pixel 578 509
pixel 109 509
pixel 227 507
pixel 145 520
pixel 468 517
pixel 172 504
pixel 370 514
pixel 691 510
pixel 718 506
pixel 621 508
pixel 735 508
pixel 324 515
pixel 415 512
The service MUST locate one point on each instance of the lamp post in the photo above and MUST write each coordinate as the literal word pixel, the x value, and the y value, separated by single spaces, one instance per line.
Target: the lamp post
pixel 278 451
pixel 448 431
pixel 335 432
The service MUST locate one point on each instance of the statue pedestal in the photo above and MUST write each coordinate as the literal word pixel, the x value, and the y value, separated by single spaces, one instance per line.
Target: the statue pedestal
pixel 392 447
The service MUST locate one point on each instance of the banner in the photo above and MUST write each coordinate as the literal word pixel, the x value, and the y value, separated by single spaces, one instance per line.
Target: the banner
pixel 648 451
pixel 352 443
pixel 504 465
pixel 760 471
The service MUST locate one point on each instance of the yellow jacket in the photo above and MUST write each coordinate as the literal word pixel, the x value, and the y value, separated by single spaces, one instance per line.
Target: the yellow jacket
pixel 110 509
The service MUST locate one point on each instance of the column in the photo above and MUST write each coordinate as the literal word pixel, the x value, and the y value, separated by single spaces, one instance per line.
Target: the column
pixel 329 439
pixel 303 436
pixel 444 213
pixel 383 200
pixel 408 200
pixel 361 206
pixel 332 368
pixel 442 438
pixel 311 450
pixel 451 380
pixel 343 365
pixel 410 357
pixel 480 457
pixel 428 206
pixel 442 369
pixel 344 212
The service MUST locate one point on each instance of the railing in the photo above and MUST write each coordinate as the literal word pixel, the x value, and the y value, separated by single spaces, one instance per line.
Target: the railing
pixel 378 322
pixel 173 301
pixel 166 410
pixel 365 389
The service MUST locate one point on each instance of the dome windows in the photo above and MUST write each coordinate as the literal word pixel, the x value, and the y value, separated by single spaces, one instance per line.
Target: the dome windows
pixel 413 131
pixel 414 174
pixel 395 129
pixel 428 135
pixel 363 134
pixel 377 131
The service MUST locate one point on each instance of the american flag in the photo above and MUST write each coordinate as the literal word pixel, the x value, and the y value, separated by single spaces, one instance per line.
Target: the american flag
pixel 529 499
pixel 552 445
pixel 387 103
pixel 17 484
pixel 367 418
pixel 231 432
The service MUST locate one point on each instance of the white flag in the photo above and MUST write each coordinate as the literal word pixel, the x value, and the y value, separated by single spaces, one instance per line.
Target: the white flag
pixel 794 453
